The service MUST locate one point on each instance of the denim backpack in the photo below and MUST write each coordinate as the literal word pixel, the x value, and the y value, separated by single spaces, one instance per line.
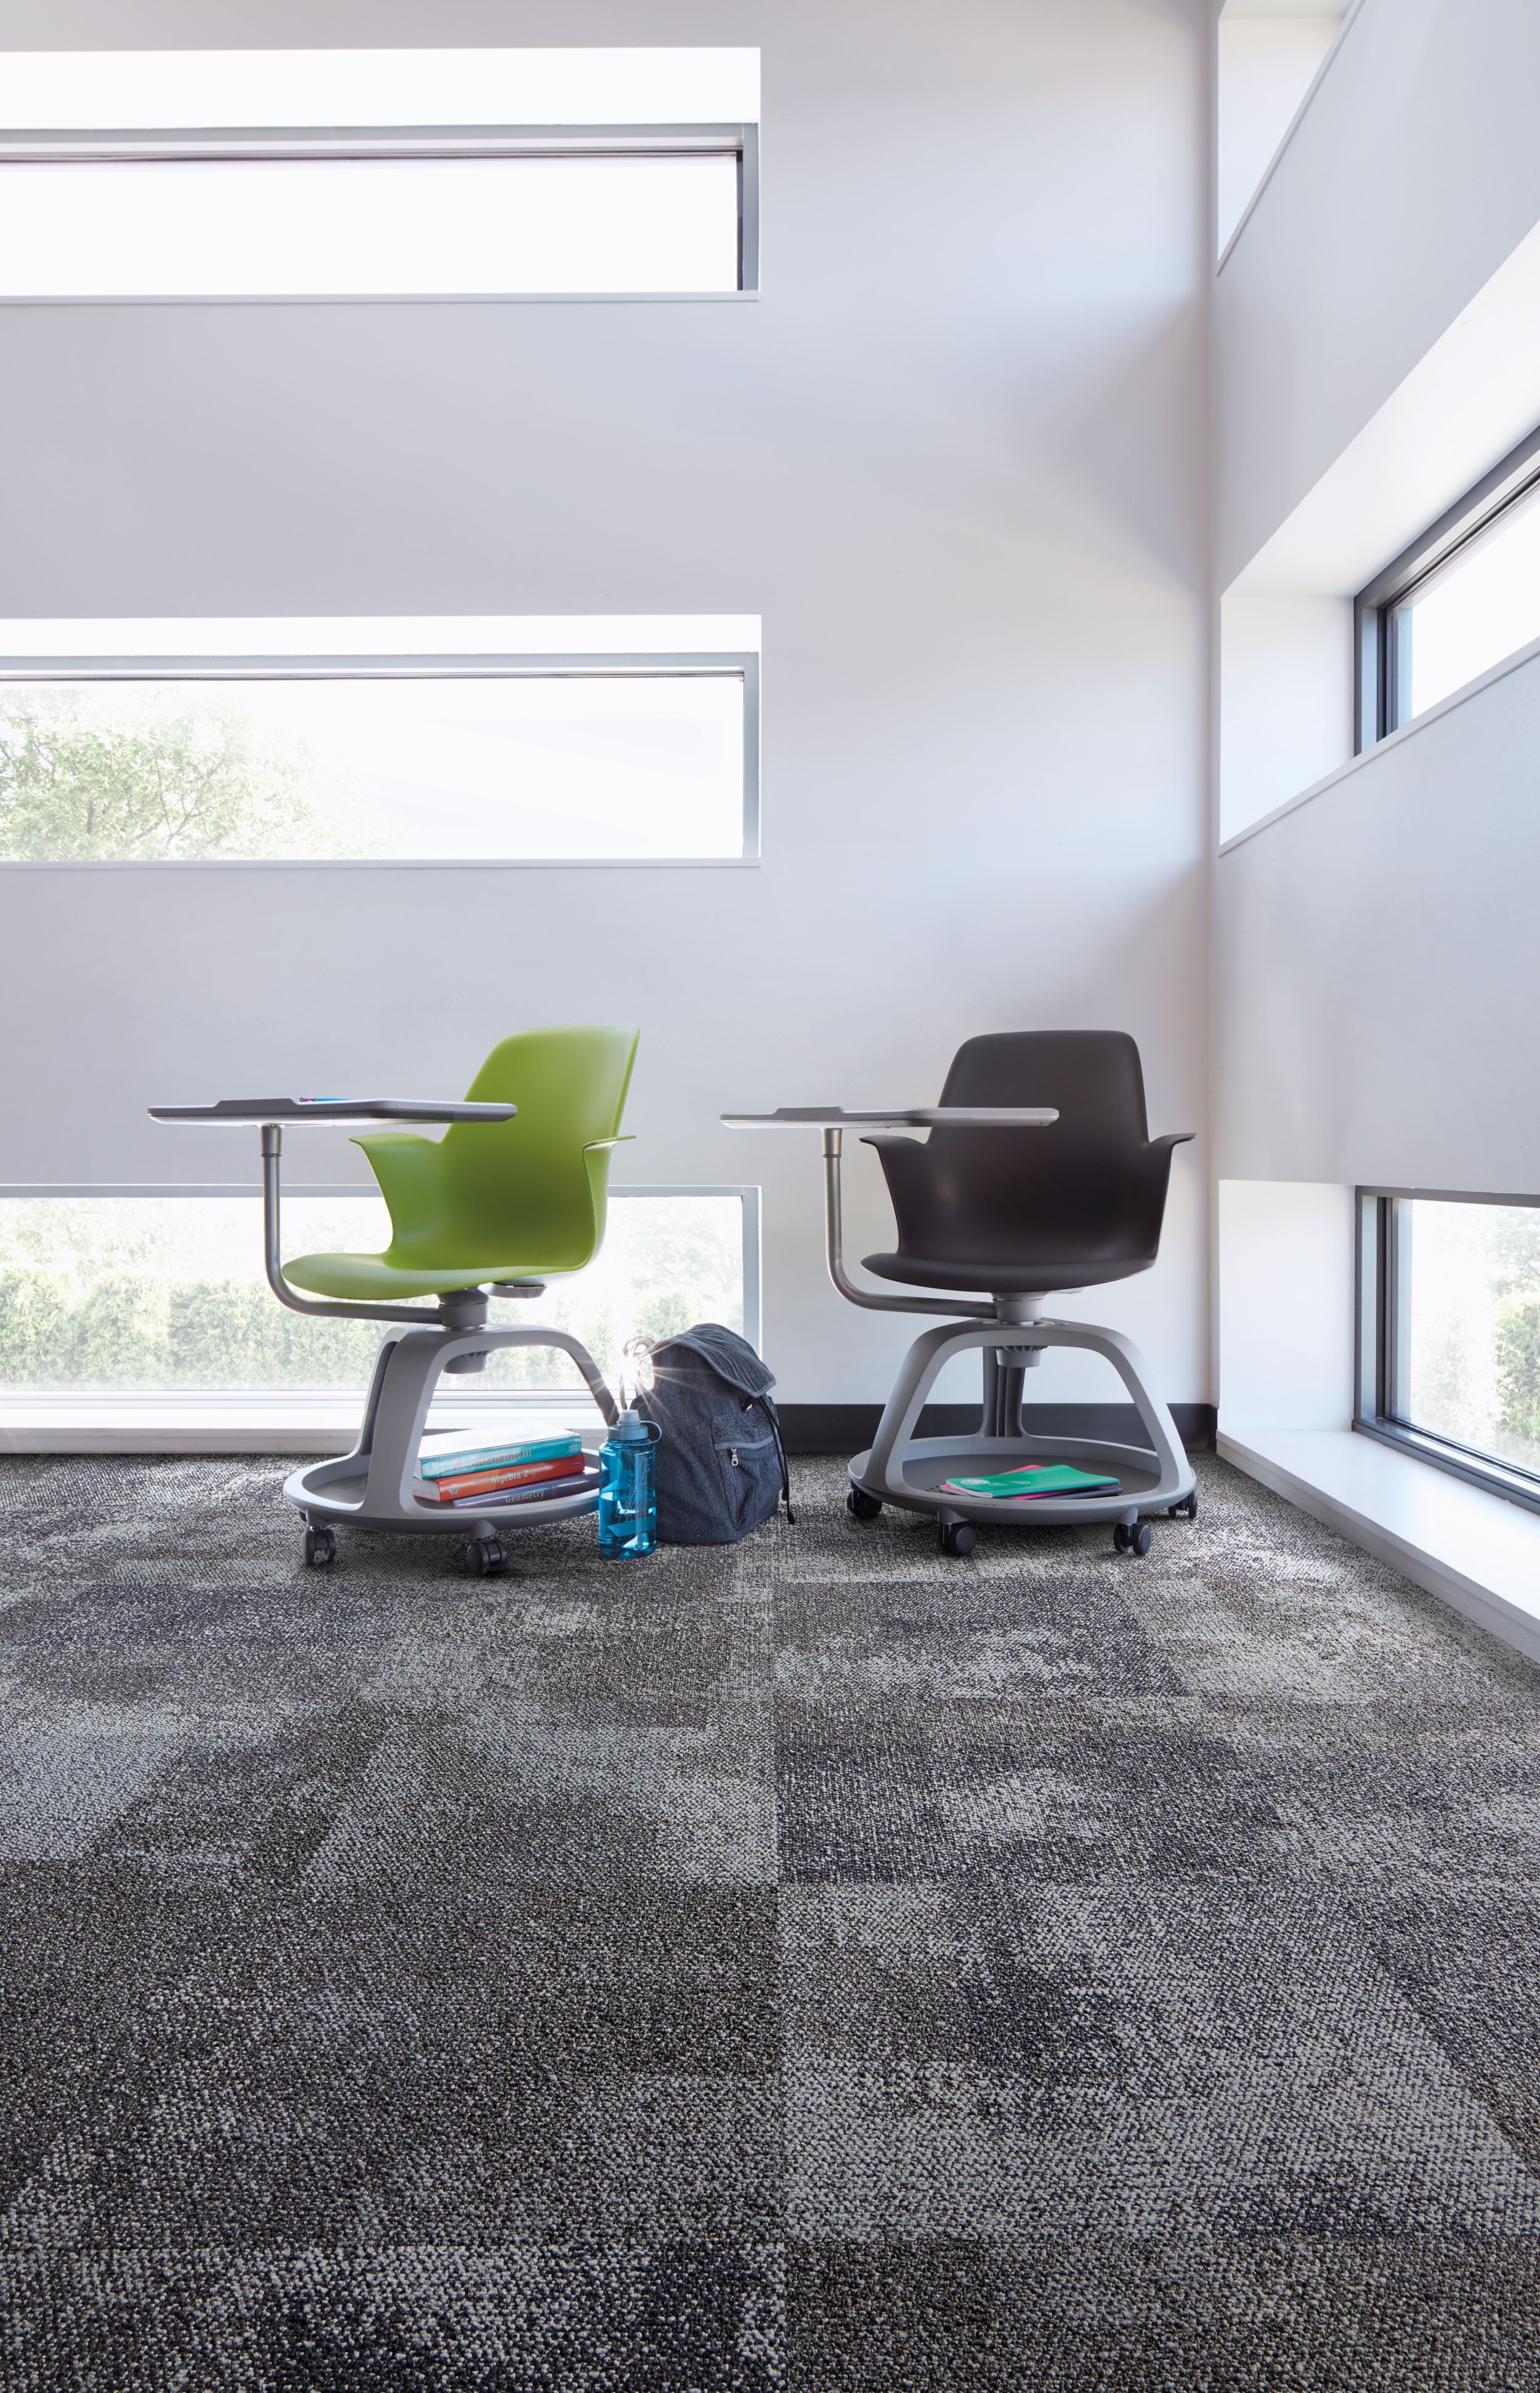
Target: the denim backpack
pixel 720 1464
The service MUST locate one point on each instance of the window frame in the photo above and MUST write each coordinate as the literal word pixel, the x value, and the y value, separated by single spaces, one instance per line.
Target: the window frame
pixel 1376 649
pixel 736 664
pixel 1380 1349
pixel 296 144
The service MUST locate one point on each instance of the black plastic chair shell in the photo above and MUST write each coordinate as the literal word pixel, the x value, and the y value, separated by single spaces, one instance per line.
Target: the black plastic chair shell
pixel 1030 1211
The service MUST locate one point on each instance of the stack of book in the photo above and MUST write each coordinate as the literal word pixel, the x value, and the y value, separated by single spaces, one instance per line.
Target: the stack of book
pixel 520 1462
pixel 1032 1480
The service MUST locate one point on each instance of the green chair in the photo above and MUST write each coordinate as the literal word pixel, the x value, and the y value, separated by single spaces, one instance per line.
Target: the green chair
pixel 493 1202
pixel 490 1210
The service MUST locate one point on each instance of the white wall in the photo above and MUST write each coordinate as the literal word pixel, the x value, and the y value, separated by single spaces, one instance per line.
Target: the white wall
pixel 1285 698
pixel 1376 987
pixel 1286 1320
pixel 1377 977
pixel 951 455
pixel 1412 174
pixel 1466 402
pixel 1267 62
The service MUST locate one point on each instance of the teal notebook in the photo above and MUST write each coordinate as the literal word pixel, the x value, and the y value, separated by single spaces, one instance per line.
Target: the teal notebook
pixel 1036 1479
pixel 444 1454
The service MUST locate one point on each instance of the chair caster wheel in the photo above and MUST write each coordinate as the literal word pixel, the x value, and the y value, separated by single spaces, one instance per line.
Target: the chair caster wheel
pixel 320 1546
pixel 484 1554
pixel 862 1507
pixel 957 1538
pixel 1186 1510
pixel 1132 1536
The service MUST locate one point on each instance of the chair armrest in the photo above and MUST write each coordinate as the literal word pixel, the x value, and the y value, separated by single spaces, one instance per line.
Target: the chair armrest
pixel 596 1153
pixel 408 1169
pixel 1153 1179
pixel 908 1167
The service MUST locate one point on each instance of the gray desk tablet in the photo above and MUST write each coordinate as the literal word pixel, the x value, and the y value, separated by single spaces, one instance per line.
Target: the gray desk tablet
pixel 898 1118
pixel 240 1110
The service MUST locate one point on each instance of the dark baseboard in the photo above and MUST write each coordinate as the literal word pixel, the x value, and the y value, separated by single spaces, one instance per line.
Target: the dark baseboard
pixel 845 1428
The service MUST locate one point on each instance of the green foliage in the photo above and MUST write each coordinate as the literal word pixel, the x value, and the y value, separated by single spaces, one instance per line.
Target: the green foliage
pixel 1518 1360
pixel 125 1321
pixel 233 1333
pixel 1444 1380
pixel 1516 1250
pixel 138 1292
pixel 129 1329
pixel 666 1311
pixel 78 781
pixel 36 1309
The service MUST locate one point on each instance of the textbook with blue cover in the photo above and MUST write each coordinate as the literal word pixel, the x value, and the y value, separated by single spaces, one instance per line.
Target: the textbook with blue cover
pixel 1035 1479
pixel 446 1453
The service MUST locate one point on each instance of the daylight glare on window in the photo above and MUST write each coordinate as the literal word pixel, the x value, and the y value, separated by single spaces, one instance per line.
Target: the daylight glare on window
pixel 366 226
pixel 433 766
pixel 1481 608
pixel 1470 1283
pixel 125 1292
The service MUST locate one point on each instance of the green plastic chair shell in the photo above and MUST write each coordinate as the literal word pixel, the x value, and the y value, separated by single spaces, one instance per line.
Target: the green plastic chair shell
pixel 521 1200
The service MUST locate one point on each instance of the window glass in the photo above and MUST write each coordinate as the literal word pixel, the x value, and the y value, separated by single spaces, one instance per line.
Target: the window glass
pixel 417 763
pixel 361 227
pixel 1477 610
pixel 168 1293
pixel 1467 1365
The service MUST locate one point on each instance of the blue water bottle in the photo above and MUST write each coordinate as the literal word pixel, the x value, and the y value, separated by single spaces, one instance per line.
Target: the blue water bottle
pixel 628 1498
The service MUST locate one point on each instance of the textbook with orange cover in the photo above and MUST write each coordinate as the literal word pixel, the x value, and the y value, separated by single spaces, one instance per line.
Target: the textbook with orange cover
pixel 534 1491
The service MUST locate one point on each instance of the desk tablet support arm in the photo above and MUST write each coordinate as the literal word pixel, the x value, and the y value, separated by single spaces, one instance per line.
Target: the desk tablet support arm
pixel 457 1311
pixel 835 1247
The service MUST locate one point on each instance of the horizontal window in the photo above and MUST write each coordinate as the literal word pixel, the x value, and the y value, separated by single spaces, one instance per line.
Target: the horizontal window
pixel 106 1293
pixel 1450 1334
pixel 372 173
pixel 1462 598
pixel 1480 607
pixel 425 758
pixel 311 219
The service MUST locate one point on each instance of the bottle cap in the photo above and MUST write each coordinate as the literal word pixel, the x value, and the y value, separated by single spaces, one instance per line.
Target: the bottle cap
pixel 630 1429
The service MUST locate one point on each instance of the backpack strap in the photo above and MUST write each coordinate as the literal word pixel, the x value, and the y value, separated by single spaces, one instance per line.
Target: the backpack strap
pixel 769 1412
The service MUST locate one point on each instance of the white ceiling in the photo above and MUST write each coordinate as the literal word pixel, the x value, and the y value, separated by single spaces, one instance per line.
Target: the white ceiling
pixel 1332 8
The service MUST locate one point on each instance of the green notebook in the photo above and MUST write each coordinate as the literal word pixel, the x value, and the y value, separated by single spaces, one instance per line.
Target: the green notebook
pixel 1036 1479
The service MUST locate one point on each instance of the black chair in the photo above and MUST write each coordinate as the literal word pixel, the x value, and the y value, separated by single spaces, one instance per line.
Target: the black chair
pixel 1017 1214
pixel 1020 1211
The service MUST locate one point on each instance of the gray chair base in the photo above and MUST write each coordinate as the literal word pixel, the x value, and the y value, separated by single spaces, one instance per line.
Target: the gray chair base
pixel 906 1470
pixel 371 1487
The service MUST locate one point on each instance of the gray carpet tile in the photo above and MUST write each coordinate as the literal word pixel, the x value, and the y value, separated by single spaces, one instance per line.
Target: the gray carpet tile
pixel 811 1963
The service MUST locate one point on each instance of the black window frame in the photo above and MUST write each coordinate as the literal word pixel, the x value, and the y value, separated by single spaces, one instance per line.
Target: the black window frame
pixel 1375 696
pixel 1378 1349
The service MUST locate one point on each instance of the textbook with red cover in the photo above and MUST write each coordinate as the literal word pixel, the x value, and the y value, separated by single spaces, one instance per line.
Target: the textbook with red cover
pixel 448 1490
pixel 534 1491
